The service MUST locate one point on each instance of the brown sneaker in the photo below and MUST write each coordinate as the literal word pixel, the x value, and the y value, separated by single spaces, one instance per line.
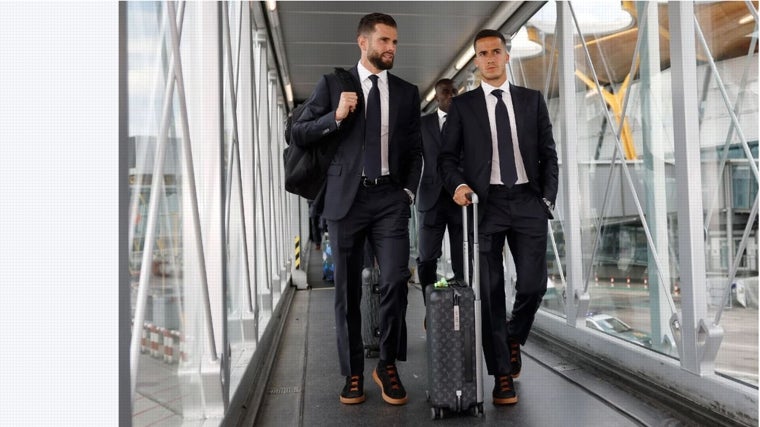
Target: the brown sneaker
pixel 353 392
pixel 515 359
pixel 386 376
pixel 504 390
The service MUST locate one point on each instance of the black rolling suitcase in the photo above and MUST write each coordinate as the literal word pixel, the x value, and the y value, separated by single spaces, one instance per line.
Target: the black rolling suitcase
pixel 370 306
pixel 454 342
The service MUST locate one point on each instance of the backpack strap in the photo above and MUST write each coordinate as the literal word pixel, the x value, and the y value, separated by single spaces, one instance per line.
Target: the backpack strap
pixel 350 84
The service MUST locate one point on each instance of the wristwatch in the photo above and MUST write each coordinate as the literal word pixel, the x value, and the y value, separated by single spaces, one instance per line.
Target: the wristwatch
pixel 549 204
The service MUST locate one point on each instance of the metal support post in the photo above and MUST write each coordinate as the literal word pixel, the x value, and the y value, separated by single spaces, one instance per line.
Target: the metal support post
pixel 694 337
pixel 577 301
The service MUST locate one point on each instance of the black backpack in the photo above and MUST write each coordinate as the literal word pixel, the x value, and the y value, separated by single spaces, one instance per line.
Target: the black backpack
pixel 306 168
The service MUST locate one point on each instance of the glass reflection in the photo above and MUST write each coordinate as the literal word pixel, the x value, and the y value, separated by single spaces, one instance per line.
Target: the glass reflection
pixel 625 153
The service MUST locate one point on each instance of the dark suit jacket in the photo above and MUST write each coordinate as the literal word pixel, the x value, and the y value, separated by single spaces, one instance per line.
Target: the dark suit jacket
pixel 430 184
pixel 345 171
pixel 468 132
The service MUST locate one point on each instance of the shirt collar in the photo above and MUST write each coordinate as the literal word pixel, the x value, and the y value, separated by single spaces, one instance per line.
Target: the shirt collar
pixel 441 114
pixel 488 88
pixel 364 73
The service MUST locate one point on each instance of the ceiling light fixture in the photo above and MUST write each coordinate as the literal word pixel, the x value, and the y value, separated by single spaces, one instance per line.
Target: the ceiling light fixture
pixel 598 17
pixel 746 19
pixel 465 58
pixel 289 93
pixel 523 47
pixel 430 95
pixel 272 5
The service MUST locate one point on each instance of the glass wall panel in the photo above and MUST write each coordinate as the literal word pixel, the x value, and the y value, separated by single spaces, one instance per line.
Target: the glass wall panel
pixel 275 206
pixel 727 76
pixel 158 392
pixel 222 128
pixel 264 253
pixel 241 302
pixel 203 206
pixel 627 167
pixel 534 64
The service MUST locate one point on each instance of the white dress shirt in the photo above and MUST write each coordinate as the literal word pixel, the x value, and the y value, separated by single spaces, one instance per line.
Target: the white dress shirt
pixel 491 100
pixel 382 85
pixel 441 118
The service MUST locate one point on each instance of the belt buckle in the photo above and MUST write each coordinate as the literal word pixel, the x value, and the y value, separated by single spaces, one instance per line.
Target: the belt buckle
pixel 367 183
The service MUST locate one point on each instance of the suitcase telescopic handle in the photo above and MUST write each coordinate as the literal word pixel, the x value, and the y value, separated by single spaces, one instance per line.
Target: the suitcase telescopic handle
pixel 474 281
pixel 475 285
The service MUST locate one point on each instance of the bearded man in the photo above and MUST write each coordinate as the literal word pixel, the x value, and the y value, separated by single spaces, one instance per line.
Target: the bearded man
pixel 371 184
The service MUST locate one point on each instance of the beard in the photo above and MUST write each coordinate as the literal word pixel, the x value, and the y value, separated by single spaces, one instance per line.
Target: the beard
pixel 376 59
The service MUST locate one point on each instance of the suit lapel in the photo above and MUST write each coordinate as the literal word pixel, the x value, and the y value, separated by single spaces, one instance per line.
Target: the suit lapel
pixel 360 104
pixel 518 106
pixel 478 105
pixel 393 108
pixel 432 127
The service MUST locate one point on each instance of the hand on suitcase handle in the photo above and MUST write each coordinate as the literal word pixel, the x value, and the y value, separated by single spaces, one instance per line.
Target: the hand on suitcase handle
pixel 462 195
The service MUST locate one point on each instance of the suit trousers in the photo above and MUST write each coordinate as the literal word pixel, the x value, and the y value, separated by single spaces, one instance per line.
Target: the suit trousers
pixel 380 214
pixel 518 215
pixel 433 224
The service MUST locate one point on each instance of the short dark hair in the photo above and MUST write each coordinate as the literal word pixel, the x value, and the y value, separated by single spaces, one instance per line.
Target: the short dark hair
pixel 368 22
pixel 443 82
pixel 491 33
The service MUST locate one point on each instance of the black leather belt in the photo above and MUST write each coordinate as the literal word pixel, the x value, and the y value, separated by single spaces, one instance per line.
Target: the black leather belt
pixel 515 189
pixel 366 182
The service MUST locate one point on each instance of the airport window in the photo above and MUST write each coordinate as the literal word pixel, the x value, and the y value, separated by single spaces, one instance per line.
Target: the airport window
pixel 626 159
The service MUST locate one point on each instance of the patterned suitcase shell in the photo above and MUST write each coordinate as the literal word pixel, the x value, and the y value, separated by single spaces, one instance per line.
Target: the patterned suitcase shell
pixel 451 348
pixel 370 307
pixel 454 344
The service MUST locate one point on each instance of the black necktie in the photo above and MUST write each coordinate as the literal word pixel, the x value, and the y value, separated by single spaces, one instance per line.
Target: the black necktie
pixel 504 138
pixel 443 125
pixel 372 132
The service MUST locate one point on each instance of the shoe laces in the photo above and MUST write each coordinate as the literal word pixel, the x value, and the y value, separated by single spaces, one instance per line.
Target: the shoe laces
pixel 354 383
pixel 391 371
pixel 514 350
pixel 504 383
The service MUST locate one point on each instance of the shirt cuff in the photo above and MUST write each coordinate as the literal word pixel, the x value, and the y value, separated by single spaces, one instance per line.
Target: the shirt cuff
pixel 410 194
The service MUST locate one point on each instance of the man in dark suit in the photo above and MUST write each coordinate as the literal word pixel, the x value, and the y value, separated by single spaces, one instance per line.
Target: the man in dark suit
pixel 371 183
pixel 435 205
pixel 509 159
